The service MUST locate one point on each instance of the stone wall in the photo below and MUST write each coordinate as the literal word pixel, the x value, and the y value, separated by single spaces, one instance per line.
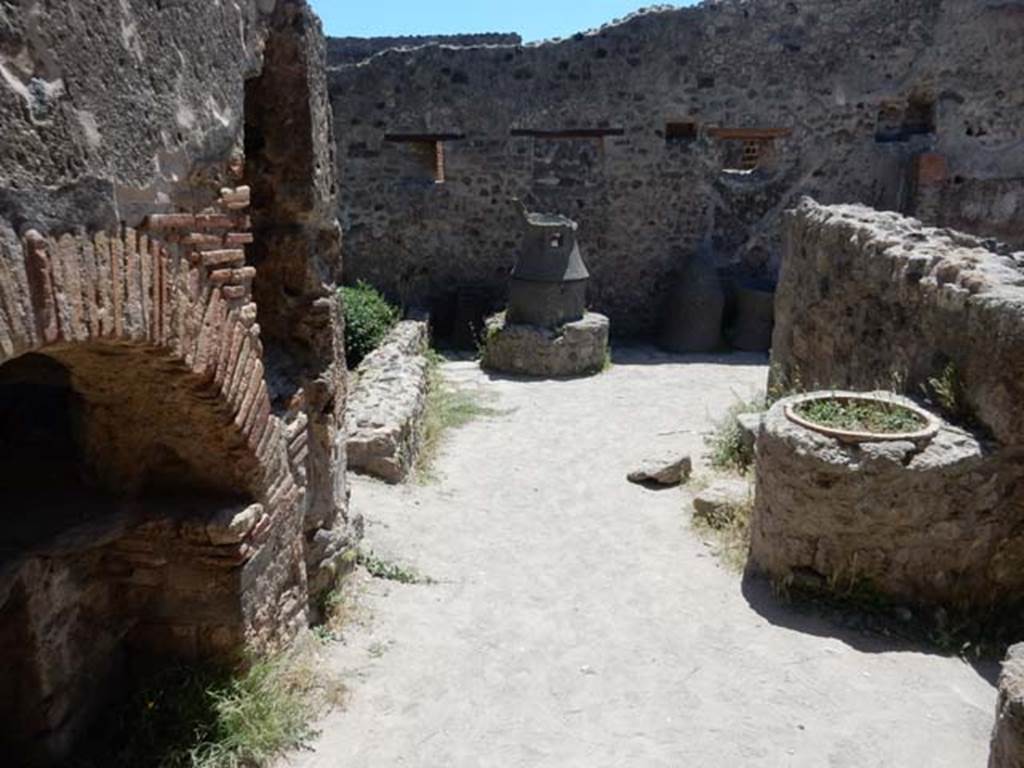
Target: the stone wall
pixel 172 380
pixel 872 300
pixel 290 164
pixel 632 130
pixel 389 396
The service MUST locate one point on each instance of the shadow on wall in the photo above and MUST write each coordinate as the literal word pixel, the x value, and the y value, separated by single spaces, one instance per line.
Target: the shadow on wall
pixel 113 472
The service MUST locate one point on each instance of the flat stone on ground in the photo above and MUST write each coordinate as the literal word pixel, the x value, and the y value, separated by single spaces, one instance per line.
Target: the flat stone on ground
pixel 720 496
pixel 666 470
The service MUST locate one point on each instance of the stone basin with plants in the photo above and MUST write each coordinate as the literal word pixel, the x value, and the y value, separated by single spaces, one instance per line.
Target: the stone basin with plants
pixel 862 417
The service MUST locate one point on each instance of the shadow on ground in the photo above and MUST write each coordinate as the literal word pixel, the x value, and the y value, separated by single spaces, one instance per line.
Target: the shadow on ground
pixel 863 631
pixel 633 355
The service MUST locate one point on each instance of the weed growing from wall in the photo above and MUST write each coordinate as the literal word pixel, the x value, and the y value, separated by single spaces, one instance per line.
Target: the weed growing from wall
pixel 730 449
pixel 948 392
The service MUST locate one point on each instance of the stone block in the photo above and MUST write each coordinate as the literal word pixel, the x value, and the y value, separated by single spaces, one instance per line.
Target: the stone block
pixel 723 495
pixel 232 526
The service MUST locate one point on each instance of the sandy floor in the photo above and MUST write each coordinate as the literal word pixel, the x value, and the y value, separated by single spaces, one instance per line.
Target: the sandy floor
pixel 578 621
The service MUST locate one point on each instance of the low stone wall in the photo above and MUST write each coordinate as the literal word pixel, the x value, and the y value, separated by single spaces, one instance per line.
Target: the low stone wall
pixel 1008 734
pixel 870 300
pixel 386 404
pixel 931 523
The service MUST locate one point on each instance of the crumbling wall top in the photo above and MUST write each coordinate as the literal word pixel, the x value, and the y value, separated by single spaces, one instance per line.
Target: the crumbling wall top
pixel 350 50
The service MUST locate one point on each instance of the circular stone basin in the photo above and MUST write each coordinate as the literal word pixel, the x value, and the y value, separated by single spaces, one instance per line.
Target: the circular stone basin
pixel 840 415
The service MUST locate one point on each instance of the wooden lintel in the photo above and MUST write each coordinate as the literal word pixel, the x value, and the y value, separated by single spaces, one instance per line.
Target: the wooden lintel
pixel 569 133
pixel 422 138
pixel 749 134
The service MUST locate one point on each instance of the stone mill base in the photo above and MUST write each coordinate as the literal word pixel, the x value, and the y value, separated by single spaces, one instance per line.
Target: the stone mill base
pixel 574 349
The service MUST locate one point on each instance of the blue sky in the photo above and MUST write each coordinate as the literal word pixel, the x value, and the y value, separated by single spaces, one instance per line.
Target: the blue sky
pixel 533 19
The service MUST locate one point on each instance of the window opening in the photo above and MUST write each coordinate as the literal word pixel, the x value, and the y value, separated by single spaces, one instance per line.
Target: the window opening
pixel 427 151
pixel 680 132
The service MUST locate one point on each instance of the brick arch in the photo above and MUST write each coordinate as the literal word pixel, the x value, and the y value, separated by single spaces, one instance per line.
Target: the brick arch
pixel 170 305
pixel 178 299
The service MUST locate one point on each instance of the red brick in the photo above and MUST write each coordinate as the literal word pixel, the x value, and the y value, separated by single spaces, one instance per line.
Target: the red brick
pixel 251 389
pixel 204 240
pixel 236 292
pixel 175 306
pixel 231 342
pixel 40 282
pixel 170 221
pixel 256 408
pixel 233 257
pixel 117 284
pixel 104 299
pixel 64 265
pixel 90 284
pixel 205 360
pixel 260 420
pixel 156 320
pixel 931 169
pixel 241 362
pixel 240 383
pixel 221 276
pixel 219 221
pixel 145 283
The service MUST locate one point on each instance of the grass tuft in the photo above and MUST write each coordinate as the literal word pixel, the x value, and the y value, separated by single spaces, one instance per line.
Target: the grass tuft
pixel 730 451
pixel 215 717
pixel 336 608
pixel 728 526
pixel 390 571
pixel 447 408
pixel 949 394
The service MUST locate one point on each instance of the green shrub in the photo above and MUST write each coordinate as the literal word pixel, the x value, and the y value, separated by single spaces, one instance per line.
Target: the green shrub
pixel 368 318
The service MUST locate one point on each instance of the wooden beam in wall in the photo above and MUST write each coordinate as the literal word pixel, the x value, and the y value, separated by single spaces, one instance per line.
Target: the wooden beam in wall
pixel 422 138
pixel 569 133
pixel 749 134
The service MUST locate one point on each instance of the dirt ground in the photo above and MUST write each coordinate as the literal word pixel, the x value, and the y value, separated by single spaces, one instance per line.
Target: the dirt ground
pixel 577 620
